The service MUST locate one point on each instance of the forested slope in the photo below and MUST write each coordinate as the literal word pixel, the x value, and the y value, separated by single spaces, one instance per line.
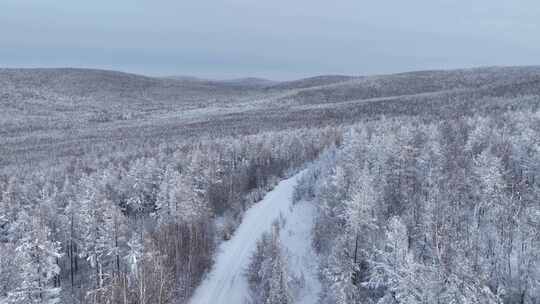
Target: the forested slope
pixel 139 226
pixel 47 114
pixel 431 211
pixel 118 188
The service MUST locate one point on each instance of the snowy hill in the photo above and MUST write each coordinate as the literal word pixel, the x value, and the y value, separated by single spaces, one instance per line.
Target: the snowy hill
pixel 58 108
pixel 312 82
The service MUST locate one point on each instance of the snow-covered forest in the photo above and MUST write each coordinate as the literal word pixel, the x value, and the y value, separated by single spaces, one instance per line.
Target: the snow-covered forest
pixel 409 188
pixel 430 211
pixel 137 227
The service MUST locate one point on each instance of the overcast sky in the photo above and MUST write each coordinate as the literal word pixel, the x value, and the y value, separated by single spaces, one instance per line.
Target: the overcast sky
pixel 277 39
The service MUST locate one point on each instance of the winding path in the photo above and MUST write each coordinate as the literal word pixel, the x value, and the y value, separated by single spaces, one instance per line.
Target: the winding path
pixel 226 282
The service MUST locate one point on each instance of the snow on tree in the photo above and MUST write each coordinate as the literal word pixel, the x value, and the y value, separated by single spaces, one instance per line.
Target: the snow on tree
pixel 134 256
pixel 359 214
pixel 36 256
pixel 267 273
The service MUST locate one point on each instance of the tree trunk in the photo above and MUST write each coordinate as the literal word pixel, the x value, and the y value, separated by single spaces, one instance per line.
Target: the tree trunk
pixel 356 249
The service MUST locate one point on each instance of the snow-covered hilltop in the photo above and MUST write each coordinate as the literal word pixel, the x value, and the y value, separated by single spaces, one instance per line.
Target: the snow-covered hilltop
pixel 51 113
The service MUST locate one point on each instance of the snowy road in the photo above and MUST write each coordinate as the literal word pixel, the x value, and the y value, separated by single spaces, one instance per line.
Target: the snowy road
pixel 226 283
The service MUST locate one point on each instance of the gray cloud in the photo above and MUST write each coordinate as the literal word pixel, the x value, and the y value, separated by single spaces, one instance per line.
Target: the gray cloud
pixel 275 39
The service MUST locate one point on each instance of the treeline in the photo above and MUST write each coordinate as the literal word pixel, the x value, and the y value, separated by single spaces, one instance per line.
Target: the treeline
pixel 430 211
pixel 136 226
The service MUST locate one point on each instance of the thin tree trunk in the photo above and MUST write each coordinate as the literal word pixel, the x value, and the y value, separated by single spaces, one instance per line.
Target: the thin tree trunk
pixel 356 249
pixel 71 263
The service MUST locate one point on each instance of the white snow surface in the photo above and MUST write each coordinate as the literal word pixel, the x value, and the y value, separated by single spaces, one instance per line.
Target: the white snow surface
pixel 227 284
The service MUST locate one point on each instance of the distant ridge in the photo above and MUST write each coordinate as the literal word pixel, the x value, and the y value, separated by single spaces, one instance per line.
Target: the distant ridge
pixel 252 81
pixel 244 81
pixel 44 110
pixel 312 82
pixel 186 78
